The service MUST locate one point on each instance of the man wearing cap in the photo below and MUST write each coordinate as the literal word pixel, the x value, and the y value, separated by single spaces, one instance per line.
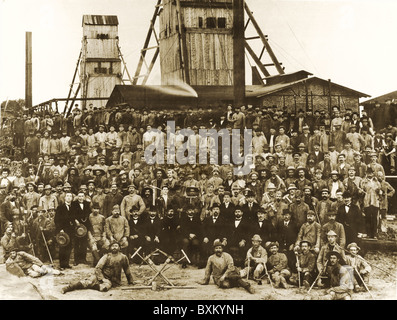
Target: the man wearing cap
pixel 342 166
pixel 340 278
pixel 387 193
pixel 360 266
pixel 337 137
pixel 97 238
pixel 372 192
pixel 298 209
pixel 275 180
pixel 131 200
pixel 278 266
pixel 322 259
pixel 107 272
pixel 152 229
pixel 335 226
pixel 290 196
pixel 117 228
pixel 305 264
pixel 255 259
pixel 310 231
pixel 221 266
pixel 374 164
pixel 31 197
pixel 334 184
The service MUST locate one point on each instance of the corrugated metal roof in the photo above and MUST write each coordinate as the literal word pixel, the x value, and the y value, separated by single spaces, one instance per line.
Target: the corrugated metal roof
pixel 268 89
pixel 89 19
pixel 382 98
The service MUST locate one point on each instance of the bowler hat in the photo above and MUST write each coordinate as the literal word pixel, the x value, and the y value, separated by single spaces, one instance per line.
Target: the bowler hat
pixel 62 238
pixel 81 231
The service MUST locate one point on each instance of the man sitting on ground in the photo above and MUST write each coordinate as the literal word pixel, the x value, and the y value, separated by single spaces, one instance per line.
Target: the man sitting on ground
pixel 221 266
pixel 107 272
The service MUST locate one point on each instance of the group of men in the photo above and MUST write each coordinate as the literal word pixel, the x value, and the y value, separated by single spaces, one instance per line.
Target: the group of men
pixel 311 178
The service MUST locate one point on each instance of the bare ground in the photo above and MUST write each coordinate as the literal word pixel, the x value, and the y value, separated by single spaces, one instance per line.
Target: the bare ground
pixel 383 287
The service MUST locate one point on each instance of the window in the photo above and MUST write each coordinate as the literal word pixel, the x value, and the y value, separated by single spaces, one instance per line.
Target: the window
pixel 211 22
pixel 222 23
pixel 100 70
pixel 200 22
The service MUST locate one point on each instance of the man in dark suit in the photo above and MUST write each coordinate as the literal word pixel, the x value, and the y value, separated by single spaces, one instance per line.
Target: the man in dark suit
pixel 237 236
pixel 263 227
pixel 191 235
pixel 81 211
pixel 170 231
pixel 136 224
pixel 213 227
pixel 351 218
pixel 227 207
pixel 64 221
pixel 250 208
pixel 152 228
pixel 287 232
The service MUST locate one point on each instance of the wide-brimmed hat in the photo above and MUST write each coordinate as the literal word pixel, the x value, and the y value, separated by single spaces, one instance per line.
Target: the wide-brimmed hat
pixel 218 242
pixel 81 231
pixel 334 253
pixel 62 238
pixel 256 237
pixel 353 244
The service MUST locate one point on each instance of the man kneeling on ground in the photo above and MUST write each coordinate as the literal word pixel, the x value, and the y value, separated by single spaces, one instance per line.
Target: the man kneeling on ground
pixel 107 272
pixel 221 266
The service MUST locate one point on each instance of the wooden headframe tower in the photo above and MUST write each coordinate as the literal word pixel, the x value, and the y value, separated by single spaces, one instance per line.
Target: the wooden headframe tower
pixel 100 62
pixel 198 42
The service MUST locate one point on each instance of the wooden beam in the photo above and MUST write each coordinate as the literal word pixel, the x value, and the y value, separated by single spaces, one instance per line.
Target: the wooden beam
pixel 265 42
pixel 74 77
pixel 28 71
pixel 183 44
pixel 147 41
pixel 212 4
pixel 151 65
pixel 256 59
pixel 238 53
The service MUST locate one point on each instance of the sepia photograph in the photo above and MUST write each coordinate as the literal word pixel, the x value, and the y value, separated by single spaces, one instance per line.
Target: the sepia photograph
pixel 217 152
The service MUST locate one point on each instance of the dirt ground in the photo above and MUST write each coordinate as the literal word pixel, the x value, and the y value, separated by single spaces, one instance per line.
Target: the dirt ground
pixel 383 287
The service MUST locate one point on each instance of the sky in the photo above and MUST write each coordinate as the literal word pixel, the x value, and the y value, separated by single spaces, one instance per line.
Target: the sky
pixel 351 42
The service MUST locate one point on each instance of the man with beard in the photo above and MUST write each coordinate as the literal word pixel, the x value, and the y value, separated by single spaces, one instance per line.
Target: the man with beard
pixel 112 198
pixel 263 227
pixel 221 266
pixel 117 228
pixel 275 180
pixel 286 233
pixel 351 218
pixel 170 231
pixel 131 200
pixel 326 166
pixel 107 272
pixel 340 278
pixel 213 228
pixel 276 212
pixel 334 184
pixel 322 259
pixel 372 188
pixel 152 229
pixel 251 207
pixel 311 201
pixel 136 224
pixel 310 231
pixel 387 194
pixel 298 209
pixel 237 233
pixel 306 263
pixel 255 260
pixel 99 244
pixel 352 185
pixel 191 235
pixel 278 266
pixel 333 225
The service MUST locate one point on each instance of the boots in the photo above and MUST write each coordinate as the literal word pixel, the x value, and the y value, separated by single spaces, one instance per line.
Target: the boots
pixel 284 282
pixel 72 287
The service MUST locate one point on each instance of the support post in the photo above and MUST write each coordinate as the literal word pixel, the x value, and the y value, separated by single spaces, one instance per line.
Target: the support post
pixel 28 71
pixel 238 53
